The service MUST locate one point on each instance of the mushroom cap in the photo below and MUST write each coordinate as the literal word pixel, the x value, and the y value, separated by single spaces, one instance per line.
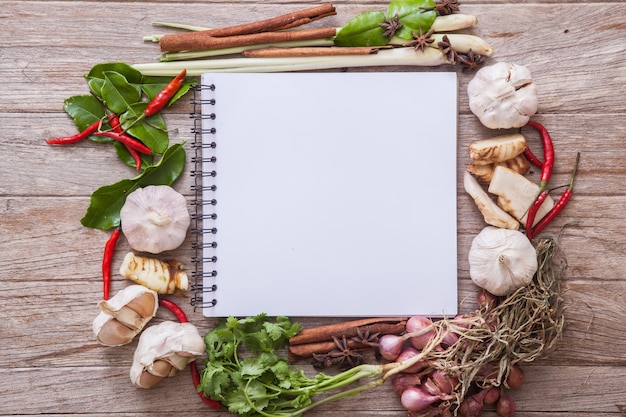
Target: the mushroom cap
pixel 155 219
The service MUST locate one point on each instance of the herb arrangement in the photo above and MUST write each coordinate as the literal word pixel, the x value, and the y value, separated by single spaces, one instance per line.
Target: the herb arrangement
pixel 408 32
pixel 451 366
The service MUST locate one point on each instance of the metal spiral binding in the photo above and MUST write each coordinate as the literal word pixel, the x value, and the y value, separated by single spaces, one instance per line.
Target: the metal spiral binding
pixel 203 218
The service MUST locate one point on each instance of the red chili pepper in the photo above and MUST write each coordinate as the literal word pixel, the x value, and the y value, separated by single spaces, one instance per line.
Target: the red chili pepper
pixel 559 205
pixel 548 154
pixel 195 374
pixel 90 130
pixel 126 140
pixel 109 250
pixel 164 96
pixel 114 121
pixel 173 307
pixel 532 213
pixel 532 158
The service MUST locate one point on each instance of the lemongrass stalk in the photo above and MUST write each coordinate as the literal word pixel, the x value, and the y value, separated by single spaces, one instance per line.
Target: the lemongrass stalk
pixel 454 21
pixel 387 57
pixel 463 43
pixel 179 56
pixel 446 23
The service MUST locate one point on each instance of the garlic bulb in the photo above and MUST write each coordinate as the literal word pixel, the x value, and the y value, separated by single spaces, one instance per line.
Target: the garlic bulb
pixel 155 219
pixel 503 95
pixel 162 350
pixel 502 260
pixel 124 315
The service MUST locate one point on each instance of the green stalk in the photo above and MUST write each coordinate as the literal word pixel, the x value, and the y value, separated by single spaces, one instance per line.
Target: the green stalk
pixel 388 57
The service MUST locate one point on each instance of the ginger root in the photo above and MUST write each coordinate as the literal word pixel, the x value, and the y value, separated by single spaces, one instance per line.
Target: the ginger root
pixel 164 277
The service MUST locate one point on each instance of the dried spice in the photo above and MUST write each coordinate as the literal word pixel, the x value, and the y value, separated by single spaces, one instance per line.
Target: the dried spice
pixel 445 7
pixel 421 40
pixel 391 26
pixel 342 356
pixel 470 61
pixel 446 48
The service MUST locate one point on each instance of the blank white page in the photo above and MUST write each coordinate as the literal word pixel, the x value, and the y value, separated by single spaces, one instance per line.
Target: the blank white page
pixel 336 194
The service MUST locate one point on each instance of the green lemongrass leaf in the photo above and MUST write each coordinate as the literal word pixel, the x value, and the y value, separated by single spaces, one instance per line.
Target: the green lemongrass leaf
pixel 363 30
pixel 126 157
pixel 107 201
pixel 415 15
pixel 152 130
pixel 131 74
pixel 118 94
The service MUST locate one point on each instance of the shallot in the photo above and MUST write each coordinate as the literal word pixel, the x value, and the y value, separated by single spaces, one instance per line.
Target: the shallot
pixel 390 346
pixel 505 407
pixel 415 399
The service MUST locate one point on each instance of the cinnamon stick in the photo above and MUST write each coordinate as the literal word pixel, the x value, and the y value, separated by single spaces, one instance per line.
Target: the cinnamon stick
pixel 383 325
pixel 278 52
pixel 199 41
pixel 282 22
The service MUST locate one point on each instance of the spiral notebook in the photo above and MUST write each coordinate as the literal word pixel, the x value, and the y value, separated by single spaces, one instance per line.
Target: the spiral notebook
pixel 326 194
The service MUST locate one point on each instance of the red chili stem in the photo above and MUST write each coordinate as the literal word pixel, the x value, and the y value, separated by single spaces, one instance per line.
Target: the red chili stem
pixel 532 213
pixel 548 153
pixel 109 250
pixel 195 374
pixel 90 130
pixel 126 140
pixel 559 205
pixel 165 95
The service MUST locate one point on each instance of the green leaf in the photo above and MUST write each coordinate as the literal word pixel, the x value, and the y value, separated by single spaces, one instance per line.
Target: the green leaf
pixel 107 201
pixel 126 157
pixel 131 74
pixel 363 30
pixel 84 109
pixel 117 93
pixel 152 131
pixel 414 15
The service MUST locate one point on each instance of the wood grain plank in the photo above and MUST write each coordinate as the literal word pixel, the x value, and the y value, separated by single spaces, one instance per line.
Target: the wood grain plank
pixel 538 39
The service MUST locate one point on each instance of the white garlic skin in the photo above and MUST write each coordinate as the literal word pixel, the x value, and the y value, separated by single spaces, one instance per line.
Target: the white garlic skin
pixel 124 315
pixel 502 260
pixel 503 95
pixel 155 219
pixel 174 343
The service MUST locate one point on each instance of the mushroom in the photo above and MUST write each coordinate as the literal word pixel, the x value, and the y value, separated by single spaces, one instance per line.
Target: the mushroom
pixel 155 219
pixel 503 95
pixel 502 260
pixel 162 350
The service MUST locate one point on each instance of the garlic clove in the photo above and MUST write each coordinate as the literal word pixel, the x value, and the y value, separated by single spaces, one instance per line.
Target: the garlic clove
pixel 111 332
pixel 164 277
pixel 155 219
pixel 168 342
pixel 123 316
pixel 502 260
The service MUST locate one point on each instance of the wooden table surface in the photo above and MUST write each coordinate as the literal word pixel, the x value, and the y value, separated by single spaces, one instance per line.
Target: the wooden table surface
pixel 50 264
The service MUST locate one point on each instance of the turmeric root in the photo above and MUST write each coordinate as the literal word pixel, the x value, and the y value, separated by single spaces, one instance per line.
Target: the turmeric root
pixel 164 277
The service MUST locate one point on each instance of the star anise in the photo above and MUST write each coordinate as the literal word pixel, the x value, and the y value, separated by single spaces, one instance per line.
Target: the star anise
pixel 421 40
pixel 341 356
pixel 470 61
pixel 446 48
pixel 445 7
pixel 365 338
pixel 391 26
